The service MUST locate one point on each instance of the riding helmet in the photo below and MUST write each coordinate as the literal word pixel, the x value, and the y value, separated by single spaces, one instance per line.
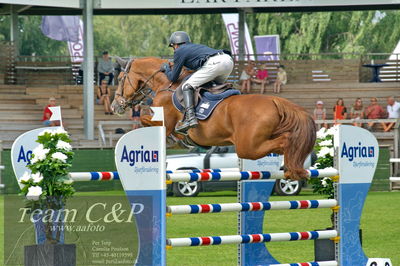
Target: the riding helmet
pixel 179 37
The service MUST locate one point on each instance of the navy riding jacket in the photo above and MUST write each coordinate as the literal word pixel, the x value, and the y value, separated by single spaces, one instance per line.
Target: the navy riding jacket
pixel 191 56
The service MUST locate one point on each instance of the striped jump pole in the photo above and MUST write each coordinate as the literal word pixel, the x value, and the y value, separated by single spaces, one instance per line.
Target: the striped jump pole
pixel 106 176
pixel 216 170
pixel 93 176
pixel 251 238
pixel 251 206
pixel 313 263
pixel 247 175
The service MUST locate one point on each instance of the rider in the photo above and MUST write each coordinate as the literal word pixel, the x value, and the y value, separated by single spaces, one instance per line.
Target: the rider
pixel 210 65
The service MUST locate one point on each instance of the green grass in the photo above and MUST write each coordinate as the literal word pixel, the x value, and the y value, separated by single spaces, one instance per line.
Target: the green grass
pixel 380 224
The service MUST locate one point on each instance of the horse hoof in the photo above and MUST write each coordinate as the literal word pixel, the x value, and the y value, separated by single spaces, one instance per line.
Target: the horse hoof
pixel 296 175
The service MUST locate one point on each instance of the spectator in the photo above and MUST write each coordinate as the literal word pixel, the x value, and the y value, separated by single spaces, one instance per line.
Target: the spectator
pixel 356 112
pixel 47 114
pixel 393 111
pixel 246 77
pixel 135 117
pixel 281 79
pixel 374 111
pixel 262 77
pixel 103 96
pixel 105 68
pixel 339 110
pixel 320 113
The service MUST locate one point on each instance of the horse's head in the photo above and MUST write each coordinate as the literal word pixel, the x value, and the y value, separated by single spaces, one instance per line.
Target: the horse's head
pixel 127 85
pixel 134 82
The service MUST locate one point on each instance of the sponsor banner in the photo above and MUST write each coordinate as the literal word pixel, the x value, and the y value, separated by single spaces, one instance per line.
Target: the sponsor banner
pixel 232 28
pixel 140 159
pixel 252 222
pixel 358 153
pixel 272 162
pixel 267 47
pixel 21 150
pixel 76 49
pixel 150 225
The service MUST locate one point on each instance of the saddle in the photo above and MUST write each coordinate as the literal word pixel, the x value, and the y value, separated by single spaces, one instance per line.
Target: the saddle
pixel 206 98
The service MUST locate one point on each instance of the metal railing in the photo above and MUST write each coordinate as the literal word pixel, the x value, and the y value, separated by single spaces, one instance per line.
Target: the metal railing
pixel 25 69
pixel 111 135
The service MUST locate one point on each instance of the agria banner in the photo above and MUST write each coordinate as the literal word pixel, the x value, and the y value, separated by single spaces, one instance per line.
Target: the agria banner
pixel 21 150
pixel 140 160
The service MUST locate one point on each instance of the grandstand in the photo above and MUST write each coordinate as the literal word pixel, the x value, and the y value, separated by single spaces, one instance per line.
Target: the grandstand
pixel 27 83
pixel 21 107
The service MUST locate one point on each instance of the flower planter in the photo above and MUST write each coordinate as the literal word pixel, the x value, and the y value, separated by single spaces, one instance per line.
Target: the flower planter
pixel 50 255
pixel 56 230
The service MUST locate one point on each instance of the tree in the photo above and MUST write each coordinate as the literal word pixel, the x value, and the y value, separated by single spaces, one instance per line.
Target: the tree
pixel 306 32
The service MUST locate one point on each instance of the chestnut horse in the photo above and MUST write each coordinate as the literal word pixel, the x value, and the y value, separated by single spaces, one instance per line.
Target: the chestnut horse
pixel 256 124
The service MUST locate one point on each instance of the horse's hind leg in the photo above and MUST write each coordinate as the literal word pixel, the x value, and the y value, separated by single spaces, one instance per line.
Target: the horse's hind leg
pixel 253 150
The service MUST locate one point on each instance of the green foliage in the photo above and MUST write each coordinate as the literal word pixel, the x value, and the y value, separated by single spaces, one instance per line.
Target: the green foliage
pixel 49 164
pixel 330 32
pixel 147 35
pixel 325 152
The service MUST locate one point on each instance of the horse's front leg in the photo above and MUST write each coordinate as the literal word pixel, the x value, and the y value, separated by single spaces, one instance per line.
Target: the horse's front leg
pixel 146 121
pixel 170 125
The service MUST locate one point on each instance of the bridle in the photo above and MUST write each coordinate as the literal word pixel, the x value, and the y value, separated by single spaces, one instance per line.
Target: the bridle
pixel 140 94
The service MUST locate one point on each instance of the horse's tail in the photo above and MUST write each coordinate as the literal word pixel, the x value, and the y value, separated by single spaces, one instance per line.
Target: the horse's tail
pixel 301 138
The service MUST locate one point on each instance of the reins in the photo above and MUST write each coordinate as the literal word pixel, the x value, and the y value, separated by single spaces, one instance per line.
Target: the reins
pixel 143 92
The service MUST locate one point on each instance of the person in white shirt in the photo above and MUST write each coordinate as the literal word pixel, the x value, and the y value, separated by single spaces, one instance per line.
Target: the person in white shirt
pixel 393 110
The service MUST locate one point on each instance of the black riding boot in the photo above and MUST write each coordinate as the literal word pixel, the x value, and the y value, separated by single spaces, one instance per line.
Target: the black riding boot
pixel 190 119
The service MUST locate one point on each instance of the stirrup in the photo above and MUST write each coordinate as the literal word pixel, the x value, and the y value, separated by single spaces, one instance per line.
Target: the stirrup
pixel 186 125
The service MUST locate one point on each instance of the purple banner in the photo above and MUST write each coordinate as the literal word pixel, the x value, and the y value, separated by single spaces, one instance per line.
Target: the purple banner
pixel 267 47
pixel 61 28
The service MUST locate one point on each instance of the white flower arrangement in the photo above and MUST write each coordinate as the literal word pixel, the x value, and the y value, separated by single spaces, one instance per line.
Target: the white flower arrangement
pixel 36 178
pixel 34 193
pixel 39 153
pixel 62 145
pixel 24 179
pixel 59 156
pixel 49 164
pixel 325 152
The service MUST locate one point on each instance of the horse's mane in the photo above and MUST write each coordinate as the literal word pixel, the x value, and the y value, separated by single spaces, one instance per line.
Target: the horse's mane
pixel 154 63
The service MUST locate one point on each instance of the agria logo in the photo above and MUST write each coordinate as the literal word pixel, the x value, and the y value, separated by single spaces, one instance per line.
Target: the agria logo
pixel 138 156
pixel 352 152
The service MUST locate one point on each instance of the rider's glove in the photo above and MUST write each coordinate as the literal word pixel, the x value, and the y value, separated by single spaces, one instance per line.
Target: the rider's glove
pixel 164 67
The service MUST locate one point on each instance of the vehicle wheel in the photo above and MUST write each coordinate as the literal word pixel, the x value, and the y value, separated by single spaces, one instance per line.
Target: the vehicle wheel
pixel 287 187
pixel 186 189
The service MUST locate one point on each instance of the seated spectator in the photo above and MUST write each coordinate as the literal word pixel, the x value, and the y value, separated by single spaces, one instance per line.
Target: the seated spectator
pixel 246 77
pixel 339 110
pixel 374 111
pixel 393 111
pixel 103 97
pixel 281 79
pixel 261 78
pixel 135 117
pixel 356 112
pixel 320 113
pixel 47 114
pixel 105 68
